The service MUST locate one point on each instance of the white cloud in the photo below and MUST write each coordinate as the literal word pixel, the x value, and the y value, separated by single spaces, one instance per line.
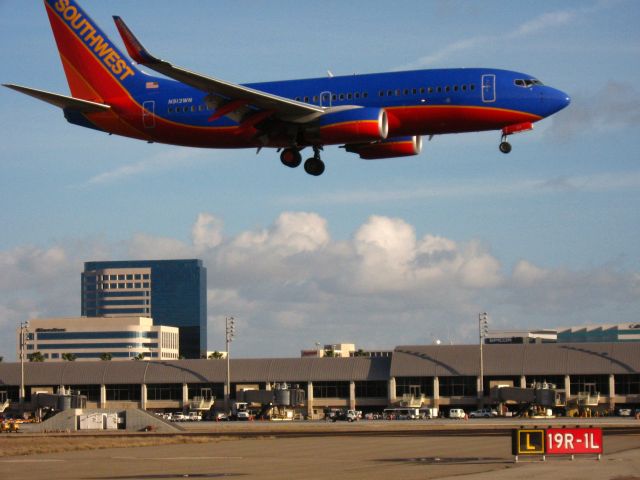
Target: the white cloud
pixel 207 231
pixel 615 106
pixel 160 162
pixel 290 284
pixel 534 26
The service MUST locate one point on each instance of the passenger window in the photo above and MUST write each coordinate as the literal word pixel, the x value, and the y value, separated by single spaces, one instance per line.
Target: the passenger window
pixel 397 92
pixel 365 94
pixel 169 110
pixel 439 89
pixel 472 87
pixel 421 89
pixel 193 108
pixel 414 91
pixel 342 96
pixel 357 94
pixel 430 90
pixel 406 91
pixel 200 108
pixel 306 99
pixel 389 93
pixel 349 96
pixel 464 88
pixel 455 88
pixel 447 88
pixel 334 97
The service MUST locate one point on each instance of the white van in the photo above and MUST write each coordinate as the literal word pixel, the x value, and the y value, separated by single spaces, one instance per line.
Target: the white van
pixel 457 413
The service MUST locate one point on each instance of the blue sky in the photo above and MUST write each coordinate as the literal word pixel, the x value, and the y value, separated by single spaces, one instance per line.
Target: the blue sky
pixel 378 253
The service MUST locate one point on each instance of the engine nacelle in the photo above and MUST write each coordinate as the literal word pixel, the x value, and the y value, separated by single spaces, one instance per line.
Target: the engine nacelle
pixel 355 125
pixel 389 148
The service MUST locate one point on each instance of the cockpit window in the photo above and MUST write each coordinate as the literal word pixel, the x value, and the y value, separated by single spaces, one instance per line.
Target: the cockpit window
pixel 527 82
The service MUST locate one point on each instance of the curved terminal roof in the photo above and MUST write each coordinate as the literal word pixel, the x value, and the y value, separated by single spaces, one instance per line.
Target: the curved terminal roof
pixel 406 361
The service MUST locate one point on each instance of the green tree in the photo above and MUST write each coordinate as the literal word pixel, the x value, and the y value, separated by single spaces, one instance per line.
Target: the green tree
pixel 106 356
pixel 1 358
pixel 35 357
pixel 139 356
pixel 69 357
pixel 360 353
pixel 330 353
pixel 215 355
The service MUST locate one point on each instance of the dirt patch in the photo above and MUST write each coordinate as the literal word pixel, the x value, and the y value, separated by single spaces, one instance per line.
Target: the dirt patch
pixel 17 445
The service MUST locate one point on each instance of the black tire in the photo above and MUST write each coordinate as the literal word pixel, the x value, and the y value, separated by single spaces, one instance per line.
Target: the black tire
pixel 290 157
pixel 505 147
pixel 314 166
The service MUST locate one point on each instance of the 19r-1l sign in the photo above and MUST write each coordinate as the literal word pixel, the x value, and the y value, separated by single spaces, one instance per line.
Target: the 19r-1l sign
pixel 573 441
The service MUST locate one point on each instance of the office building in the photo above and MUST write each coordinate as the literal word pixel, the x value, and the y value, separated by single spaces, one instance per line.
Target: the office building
pixel 172 292
pixel 122 338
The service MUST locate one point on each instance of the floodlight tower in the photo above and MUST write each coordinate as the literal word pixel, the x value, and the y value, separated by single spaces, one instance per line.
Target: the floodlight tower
pixel 23 329
pixel 229 334
pixel 483 330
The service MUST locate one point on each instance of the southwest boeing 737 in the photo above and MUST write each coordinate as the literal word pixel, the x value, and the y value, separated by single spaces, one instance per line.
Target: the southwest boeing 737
pixel 381 115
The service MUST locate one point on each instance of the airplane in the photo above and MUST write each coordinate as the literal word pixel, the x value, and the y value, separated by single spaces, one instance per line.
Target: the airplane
pixel 376 116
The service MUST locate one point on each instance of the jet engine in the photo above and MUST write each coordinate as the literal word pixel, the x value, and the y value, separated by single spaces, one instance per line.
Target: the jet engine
pixel 389 148
pixel 356 125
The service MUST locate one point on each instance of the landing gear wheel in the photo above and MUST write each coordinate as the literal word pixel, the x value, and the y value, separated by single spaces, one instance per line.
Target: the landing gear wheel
pixel 290 157
pixel 314 166
pixel 505 147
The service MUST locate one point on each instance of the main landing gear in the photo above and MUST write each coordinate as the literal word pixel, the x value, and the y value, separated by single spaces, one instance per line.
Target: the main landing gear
pixel 291 158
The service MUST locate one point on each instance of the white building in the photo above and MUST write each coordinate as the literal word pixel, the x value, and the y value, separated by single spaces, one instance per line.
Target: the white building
pixel 121 338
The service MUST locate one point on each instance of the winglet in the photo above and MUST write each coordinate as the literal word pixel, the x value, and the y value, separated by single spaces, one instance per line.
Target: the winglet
pixel 136 50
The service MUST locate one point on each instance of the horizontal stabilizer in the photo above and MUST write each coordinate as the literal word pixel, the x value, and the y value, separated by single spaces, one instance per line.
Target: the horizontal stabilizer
pixel 61 101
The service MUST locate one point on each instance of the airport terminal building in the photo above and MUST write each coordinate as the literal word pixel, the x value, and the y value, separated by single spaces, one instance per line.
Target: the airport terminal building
pixel 443 376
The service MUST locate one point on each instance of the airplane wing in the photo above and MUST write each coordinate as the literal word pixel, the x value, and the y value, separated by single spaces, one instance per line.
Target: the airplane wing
pixel 236 96
pixel 61 101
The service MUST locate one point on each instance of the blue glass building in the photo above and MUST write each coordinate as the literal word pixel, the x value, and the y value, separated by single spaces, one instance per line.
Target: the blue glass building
pixel 172 292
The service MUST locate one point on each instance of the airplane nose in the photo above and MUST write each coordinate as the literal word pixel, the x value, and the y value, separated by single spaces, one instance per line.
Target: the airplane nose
pixel 556 100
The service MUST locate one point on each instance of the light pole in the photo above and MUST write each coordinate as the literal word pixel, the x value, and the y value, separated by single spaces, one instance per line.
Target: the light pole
pixel 229 334
pixel 23 328
pixel 483 329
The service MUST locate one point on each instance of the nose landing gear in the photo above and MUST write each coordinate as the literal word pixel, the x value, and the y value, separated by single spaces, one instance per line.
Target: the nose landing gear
pixel 505 147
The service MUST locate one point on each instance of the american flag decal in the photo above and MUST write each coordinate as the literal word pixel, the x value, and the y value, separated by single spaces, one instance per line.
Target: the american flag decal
pixel 152 85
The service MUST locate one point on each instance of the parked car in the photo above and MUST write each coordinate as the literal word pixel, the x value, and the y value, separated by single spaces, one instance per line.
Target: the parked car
pixel 457 413
pixel 483 413
pixel 345 416
pixel 624 412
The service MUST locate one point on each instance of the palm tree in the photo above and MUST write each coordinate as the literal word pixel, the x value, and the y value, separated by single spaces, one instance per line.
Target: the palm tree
pixel 215 355
pixel 106 356
pixel 69 357
pixel 35 357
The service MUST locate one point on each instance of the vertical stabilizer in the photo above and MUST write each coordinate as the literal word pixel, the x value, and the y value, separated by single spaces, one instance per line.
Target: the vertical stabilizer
pixel 95 68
